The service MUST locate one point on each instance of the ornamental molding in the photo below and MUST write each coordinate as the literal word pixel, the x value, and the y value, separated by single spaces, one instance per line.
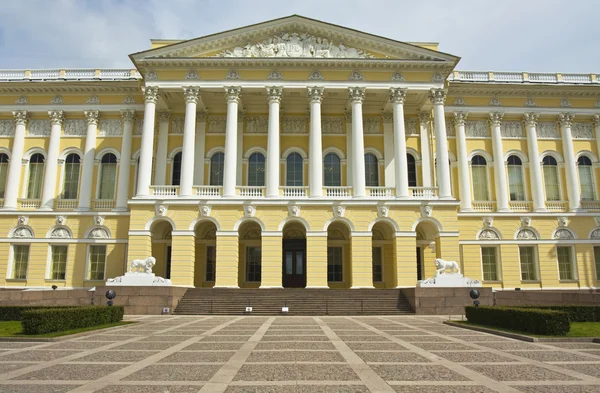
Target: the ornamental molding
pixel 397 95
pixel 99 233
pixel 315 94
pixel 191 94
pixel 467 89
pixel 372 125
pixel 110 127
pixel 232 75
pixel 177 124
pixel 257 124
pixel 410 126
pixel 339 210
pixel 150 94
pixel 383 211
pixel 75 127
pixel 205 210
pixel 426 211
pixel 128 100
pixel 216 124
pixel 512 129
pixel 61 232
pixel 356 94
pixel 397 77
pixel 99 220
pixel 90 88
pixel 7 127
pixel 151 75
pixel 22 220
pixel 138 127
pixel 582 131
pixel 57 100
pixel 275 76
pixel 333 125
pixel 387 117
pixel 460 118
pixel 530 103
pixel 56 117
pixel 93 100
pixel 161 210
pixel 563 221
pixel 356 76
pixel 531 119
pixel 294 210
pixel 437 78
pixel 566 119
pixel 526 234
pixel 23 100
pixel 563 234
pixel 127 115
pixel 437 96
pixel 61 220
pixel 294 125
pixel 526 221
pixel 565 103
pixel 22 231
pixel 274 93
pixel 548 130
pixel 91 117
pixel 192 75
pixel 315 76
pixel 595 235
pixel 249 211
pixel 233 93
pixel 494 101
pixel 488 222
pixel 495 118
pixel 459 101
pixel 39 127
pixel 477 129
pixel 450 130
pixel 488 234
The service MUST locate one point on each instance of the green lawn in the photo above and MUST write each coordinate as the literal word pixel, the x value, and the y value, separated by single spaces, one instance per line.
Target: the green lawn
pixel 578 329
pixel 14 329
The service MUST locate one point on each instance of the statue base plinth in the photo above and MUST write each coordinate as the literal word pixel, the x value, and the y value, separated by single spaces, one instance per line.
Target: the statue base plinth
pixel 456 280
pixel 133 279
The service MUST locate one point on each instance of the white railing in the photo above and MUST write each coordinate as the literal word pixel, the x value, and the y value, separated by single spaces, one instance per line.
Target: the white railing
pixel 30 203
pixel 543 77
pixel 522 77
pixel 508 77
pixel 338 192
pixel 115 73
pixel 45 74
pixel 557 206
pixel 208 191
pixel 69 74
pixel 12 74
pixel 380 192
pixel 65 204
pixel 294 192
pixel 80 74
pixel 103 204
pixel 590 205
pixel 164 191
pixel 424 192
pixel 474 76
pixel 577 78
pixel 484 206
pixel 519 206
pixel 253 192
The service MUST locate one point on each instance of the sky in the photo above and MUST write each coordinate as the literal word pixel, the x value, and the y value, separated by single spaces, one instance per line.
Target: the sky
pixel 489 35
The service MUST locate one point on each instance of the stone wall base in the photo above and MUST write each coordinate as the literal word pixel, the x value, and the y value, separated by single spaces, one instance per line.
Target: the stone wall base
pixel 444 301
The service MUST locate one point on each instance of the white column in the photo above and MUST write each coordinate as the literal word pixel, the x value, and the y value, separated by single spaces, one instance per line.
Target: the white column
pixel 232 94
pixel 128 117
pixel 191 95
pixel 397 97
pixel 239 174
pixel 464 178
pixel 357 95
pixel 274 95
pixel 499 166
pixel 437 97
pixel 16 157
pixel 388 149
pixel 348 116
pixel 147 149
pixel 89 155
pixel 162 145
pixel 566 122
pixel 535 167
pixel 315 147
pixel 199 149
pixel 424 122
pixel 49 188
pixel 596 120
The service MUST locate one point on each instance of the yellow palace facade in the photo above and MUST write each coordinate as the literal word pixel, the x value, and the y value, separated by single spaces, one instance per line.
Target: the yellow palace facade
pixel 296 153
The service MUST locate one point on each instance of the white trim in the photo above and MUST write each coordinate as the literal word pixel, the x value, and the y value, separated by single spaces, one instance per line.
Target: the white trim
pixel 34 150
pixel 498 233
pixel 87 263
pixel 300 220
pixel 87 233
pixel 106 150
pixel 174 152
pixel 255 149
pixel 387 220
pixel 375 152
pixel 574 269
pixel 344 220
pixel 406 234
pixel 271 233
pixel 478 152
pixel 139 233
pixel 294 149
pixel 198 221
pixel 242 220
pixel 70 150
pixel 427 219
pixel 227 233
pixel 498 267
pixel 561 228
pixel 5 150
pixel 150 223
pixel 531 229
pixel 53 227
pixel 449 234
pixel 588 154
pixel 49 262
pixel 316 234
pixel 361 234
pixel 414 153
pixel 559 159
pixel 336 151
pixel 536 263
pixel 514 152
pixel 182 233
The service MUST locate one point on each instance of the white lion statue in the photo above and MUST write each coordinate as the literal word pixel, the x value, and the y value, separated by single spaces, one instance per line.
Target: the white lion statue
pixel 443 265
pixel 145 265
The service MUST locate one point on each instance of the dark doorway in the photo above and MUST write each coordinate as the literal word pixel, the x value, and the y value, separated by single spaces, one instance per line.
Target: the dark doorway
pixel 419 265
pixel 168 263
pixel 294 263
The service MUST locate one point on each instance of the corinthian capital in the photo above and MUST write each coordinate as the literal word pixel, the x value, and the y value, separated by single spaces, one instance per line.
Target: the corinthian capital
pixel 315 94
pixel 397 95
pixel 437 96
pixel 91 117
pixel 274 94
pixel 496 118
pixel 128 115
pixel 56 117
pixel 388 117
pixel 566 119
pixel 424 117
pixel 530 119
pixel 233 93
pixel 20 117
pixel 356 94
pixel 191 94
pixel 460 118
pixel 596 120
pixel 150 94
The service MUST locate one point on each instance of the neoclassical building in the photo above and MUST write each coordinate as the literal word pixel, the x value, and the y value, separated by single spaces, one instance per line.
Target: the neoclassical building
pixel 296 153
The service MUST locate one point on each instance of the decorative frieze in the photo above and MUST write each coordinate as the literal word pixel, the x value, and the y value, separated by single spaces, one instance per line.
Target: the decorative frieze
pixel 93 100
pixel 177 124
pixel 530 103
pixel 488 234
pixel 459 101
pixel 582 131
pixel 257 124
pixel 22 100
pixel 333 125
pixel 512 129
pixel 315 76
pixel 294 125
pixel 110 127
pixel 275 75
pixel 129 100
pixel 526 234
pixel 216 124
pixel 57 100
pixel 548 130
pixel 397 77
pixel 372 125
pixel 7 127
pixel 410 126
pixel 39 127
pixel 139 126
pixel 477 129
pixel 356 76
pixel 75 127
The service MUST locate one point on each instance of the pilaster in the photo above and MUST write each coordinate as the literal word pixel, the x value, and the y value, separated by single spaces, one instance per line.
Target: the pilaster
pixel 316 261
pixel 183 260
pixel 271 273
pixel 227 259
pixel 362 259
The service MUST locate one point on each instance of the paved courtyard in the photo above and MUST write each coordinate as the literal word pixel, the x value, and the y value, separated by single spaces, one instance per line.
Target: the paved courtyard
pixel 296 354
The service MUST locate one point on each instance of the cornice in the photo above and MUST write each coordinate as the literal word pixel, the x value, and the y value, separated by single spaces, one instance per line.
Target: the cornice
pixel 58 87
pixel 522 90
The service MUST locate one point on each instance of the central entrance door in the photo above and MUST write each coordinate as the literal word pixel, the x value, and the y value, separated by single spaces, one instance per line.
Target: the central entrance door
pixel 294 263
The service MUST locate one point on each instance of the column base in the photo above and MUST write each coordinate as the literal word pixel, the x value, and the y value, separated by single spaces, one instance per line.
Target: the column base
pixel 363 287
pixel 315 287
pixel 405 197
pixel 504 210
pixel 45 208
pixel 269 287
pixel 227 286
pixel 541 210
pixel 82 209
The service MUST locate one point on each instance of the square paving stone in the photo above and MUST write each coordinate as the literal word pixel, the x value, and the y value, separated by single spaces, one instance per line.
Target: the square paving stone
pixel 404 332
pixel 295 345
pixel 511 345
pixel 376 346
pixel 589 369
pixel 293 372
pixel 77 345
pixel 197 357
pixel 442 389
pixel 443 346
pixel 466 357
pixel 365 338
pixel 8 367
pixel 155 346
pixel 165 338
pixel 150 389
pixel 72 372
pixel 591 352
pixel 560 389
pixel 520 372
pixel 417 373
pixel 295 356
pixel 117 356
pixel 295 338
pixel 16 345
pixel 180 372
pixel 234 333
pixel 298 389
pixel 553 356
pixel 482 338
pixel 204 346
pixel 424 339
pixel 392 357
pixel 106 337
pixel 36 388
pixel 576 345
pixel 36 356
pixel 226 338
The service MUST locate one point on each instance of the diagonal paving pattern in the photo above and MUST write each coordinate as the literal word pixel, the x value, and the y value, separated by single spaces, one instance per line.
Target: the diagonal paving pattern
pixel 211 354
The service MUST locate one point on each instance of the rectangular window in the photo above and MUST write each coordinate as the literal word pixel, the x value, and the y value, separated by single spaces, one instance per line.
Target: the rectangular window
pixel 97 257
pixel 480 184
pixel 253 261
pixel 36 174
pixel 108 178
pixel 527 256
pixel 211 257
pixel 20 261
pixel 489 262
pixel 377 264
pixel 334 264
pixel 565 262
pixel 551 182
pixel 597 262
pixel 58 265
pixel 3 175
pixel 71 181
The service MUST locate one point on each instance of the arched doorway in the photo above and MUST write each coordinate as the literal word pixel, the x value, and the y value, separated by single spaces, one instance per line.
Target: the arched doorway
pixel 294 255
pixel 206 254
pixel 161 247
pixel 427 249
pixel 384 268
pixel 339 273
pixel 250 255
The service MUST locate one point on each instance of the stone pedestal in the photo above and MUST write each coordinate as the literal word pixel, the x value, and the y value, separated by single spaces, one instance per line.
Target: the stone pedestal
pixel 135 279
pixel 455 280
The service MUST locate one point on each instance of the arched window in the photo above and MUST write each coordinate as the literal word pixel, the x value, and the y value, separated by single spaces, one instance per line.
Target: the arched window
pixel 332 170
pixel 551 183
pixel 371 170
pixel 36 174
pixel 294 170
pixel 216 169
pixel 480 181
pixel 108 176
pixel 256 170
pixel 411 165
pixel 3 173
pixel 176 176
pixel 586 178
pixel 71 179
pixel 515 179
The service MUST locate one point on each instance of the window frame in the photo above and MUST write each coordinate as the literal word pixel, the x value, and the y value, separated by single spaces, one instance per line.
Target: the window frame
pixel 50 264
pixel 487 178
pixel 101 165
pixel 535 263
pixel 558 177
pixel 522 175
pixel 287 166
pixel 63 182
pixel 498 277
pixel 10 274
pixel 592 177
pixel 27 179
pixel 247 274
pixel 339 162
pixel 88 262
pixel 369 181
pixel 3 181
pixel 573 262
pixel 408 173
pixel 210 169
pixel 341 273
pixel 257 173
pixel 173 167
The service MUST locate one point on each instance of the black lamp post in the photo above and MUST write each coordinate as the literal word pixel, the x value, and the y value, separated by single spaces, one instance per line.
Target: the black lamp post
pixel 474 295
pixel 110 295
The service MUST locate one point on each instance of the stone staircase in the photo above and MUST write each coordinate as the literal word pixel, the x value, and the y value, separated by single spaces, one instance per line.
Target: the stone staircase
pixel 221 301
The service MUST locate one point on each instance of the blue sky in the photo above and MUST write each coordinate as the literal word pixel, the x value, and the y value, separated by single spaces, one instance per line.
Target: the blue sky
pixel 503 35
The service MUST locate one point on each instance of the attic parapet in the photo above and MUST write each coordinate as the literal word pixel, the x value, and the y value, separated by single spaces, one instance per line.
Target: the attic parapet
pixel 75 74
pixel 523 77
